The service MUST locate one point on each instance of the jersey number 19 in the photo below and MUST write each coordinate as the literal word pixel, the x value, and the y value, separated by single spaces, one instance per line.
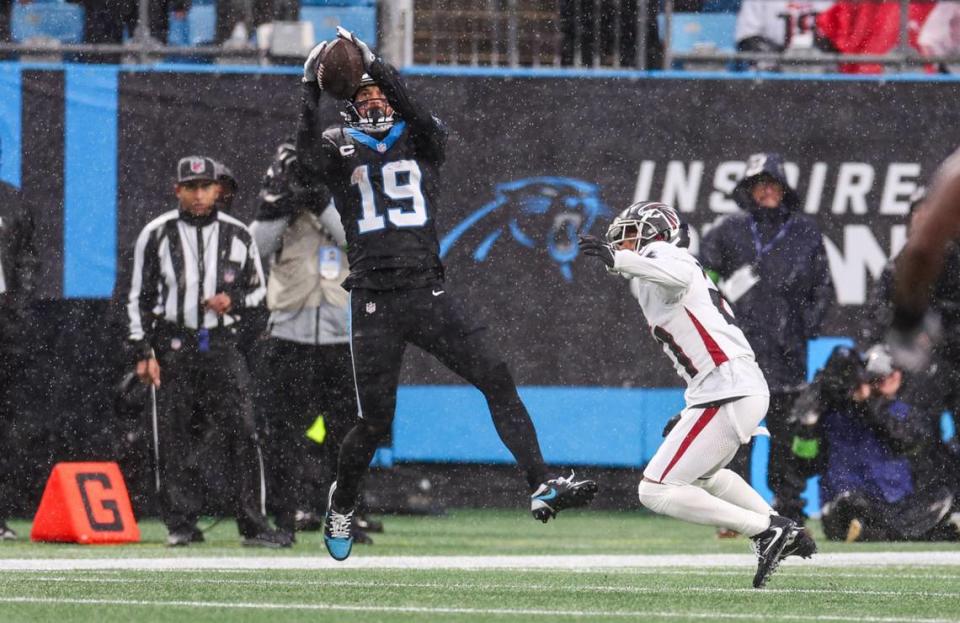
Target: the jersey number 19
pixel 401 182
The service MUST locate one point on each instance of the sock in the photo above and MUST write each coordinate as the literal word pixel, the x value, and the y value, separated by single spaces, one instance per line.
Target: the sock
pixel 693 504
pixel 730 487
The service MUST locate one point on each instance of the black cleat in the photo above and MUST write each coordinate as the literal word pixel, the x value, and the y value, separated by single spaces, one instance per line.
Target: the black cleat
pixel 360 536
pixel 801 544
pixel 769 546
pixel 184 537
pixel 368 524
pixel 307 521
pixel 6 532
pixel 559 493
pixel 268 538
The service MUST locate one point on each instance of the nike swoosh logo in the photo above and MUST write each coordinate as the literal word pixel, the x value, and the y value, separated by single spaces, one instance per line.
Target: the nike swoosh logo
pixel 437 292
pixel 779 532
pixel 546 497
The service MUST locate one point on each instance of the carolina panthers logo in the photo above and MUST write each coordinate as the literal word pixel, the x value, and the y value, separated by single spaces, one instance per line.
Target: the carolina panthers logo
pixel 544 212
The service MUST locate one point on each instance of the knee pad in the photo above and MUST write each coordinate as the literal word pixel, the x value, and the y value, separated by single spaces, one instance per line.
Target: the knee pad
pixel 652 495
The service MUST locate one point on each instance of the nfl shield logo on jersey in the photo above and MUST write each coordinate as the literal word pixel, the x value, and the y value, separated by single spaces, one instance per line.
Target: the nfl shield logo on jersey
pixel 371 307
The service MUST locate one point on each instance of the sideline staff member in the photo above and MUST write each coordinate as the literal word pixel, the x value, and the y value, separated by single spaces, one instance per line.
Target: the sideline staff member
pixel 195 270
pixel 18 267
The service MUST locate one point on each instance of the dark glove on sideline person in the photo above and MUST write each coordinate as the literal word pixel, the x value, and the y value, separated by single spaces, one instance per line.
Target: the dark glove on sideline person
pixel 591 245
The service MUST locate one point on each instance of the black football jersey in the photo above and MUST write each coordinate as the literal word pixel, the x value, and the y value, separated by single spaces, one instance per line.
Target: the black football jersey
pixel 384 186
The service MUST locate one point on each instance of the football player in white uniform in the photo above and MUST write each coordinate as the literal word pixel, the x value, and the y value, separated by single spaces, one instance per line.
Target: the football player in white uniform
pixel 726 396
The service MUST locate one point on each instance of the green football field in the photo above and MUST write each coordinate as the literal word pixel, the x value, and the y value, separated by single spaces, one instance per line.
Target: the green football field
pixel 478 566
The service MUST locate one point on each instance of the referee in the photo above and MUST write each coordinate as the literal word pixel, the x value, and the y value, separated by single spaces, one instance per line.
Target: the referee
pixel 196 269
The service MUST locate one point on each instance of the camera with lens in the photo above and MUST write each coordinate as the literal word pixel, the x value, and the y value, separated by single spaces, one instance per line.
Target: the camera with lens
pixel 833 388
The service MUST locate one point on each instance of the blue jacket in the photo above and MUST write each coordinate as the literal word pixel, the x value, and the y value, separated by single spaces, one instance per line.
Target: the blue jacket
pixel 788 305
pixel 862 457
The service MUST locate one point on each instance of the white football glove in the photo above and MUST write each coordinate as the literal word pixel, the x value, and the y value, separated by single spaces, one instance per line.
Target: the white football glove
pixel 365 51
pixel 313 62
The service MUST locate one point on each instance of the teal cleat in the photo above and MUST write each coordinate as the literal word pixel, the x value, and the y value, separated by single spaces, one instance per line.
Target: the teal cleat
pixel 337 529
pixel 557 494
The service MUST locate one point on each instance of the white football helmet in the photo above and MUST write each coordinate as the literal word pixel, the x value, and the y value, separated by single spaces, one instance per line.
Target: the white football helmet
pixel 645 221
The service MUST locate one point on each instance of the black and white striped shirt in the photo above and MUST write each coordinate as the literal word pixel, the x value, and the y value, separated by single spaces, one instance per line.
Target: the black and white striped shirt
pixel 174 253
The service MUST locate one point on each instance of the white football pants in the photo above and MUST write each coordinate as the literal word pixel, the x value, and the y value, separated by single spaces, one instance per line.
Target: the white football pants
pixel 685 479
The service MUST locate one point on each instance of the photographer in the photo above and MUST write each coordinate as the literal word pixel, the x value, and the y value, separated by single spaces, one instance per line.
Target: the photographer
pixel 876 482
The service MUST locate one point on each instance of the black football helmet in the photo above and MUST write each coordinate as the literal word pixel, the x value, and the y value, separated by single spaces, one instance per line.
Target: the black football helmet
pixel 228 185
pixel 376 119
pixel 645 222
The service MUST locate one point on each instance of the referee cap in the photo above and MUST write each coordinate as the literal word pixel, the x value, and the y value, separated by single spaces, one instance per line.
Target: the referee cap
pixel 196 168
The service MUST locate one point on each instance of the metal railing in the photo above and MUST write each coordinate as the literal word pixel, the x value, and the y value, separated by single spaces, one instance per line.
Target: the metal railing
pixel 503 33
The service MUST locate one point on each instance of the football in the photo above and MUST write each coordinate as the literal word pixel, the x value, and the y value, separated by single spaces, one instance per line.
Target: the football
pixel 340 69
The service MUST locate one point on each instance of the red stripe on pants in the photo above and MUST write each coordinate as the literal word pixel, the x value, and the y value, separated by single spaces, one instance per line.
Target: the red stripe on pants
pixel 698 426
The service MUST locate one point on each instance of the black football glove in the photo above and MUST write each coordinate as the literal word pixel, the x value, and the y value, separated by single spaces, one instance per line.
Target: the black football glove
pixel 591 245
pixel 670 424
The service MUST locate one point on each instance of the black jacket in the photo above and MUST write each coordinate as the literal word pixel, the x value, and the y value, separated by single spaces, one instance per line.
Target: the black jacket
pixel 788 305
pixel 18 263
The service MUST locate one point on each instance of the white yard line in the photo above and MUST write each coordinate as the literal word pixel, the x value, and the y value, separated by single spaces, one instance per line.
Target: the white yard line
pixel 808 571
pixel 493 587
pixel 523 612
pixel 556 563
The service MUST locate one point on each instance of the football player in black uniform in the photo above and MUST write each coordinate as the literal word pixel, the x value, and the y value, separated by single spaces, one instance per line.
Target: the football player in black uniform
pixel 382 166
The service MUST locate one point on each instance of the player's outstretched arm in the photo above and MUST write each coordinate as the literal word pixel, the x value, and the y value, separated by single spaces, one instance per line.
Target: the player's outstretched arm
pixel 310 124
pixel 921 260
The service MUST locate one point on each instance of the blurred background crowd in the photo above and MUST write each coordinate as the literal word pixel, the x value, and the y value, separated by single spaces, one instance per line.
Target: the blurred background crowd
pixel 813 36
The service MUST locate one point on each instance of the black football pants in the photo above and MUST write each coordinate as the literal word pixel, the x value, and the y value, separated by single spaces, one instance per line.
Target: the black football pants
pixel 382 324
pixel 205 410
pixel 297 383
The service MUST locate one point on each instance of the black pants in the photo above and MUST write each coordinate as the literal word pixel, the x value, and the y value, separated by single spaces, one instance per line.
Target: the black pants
pixel 297 383
pixel 600 33
pixel 382 324
pixel 785 474
pixel 922 516
pixel 230 12
pixel 12 469
pixel 106 20
pixel 205 412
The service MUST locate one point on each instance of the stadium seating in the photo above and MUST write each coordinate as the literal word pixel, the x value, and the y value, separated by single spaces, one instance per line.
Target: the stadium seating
pixel 199 26
pixel 701 32
pixel 339 3
pixel 46 21
pixel 357 16
pixel 721 6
